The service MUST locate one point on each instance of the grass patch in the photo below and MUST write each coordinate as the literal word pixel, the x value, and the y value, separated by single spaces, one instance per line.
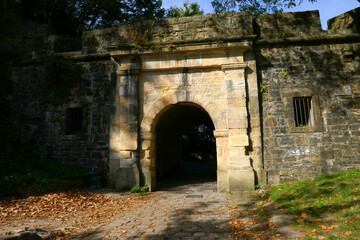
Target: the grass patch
pixel 28 176
pixel 326 207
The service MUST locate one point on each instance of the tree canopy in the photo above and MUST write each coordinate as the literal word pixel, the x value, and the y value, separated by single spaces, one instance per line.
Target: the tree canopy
pixel 73 16
pixel 254 6
pixel 189 9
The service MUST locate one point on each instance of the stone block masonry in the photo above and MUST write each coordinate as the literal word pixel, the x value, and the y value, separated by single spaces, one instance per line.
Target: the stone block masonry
pixel 45 124
pixel 331 143
pixel 282 94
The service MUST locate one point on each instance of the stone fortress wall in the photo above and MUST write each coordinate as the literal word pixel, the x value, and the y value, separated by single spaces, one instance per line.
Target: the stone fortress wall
pixel 244 71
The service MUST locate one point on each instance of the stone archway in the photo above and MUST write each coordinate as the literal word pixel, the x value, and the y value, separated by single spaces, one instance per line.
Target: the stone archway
pixel 218 81
pixel 180 160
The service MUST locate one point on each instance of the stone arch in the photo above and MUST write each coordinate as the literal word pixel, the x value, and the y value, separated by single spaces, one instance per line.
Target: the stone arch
pixel 152 117
pixel 163 103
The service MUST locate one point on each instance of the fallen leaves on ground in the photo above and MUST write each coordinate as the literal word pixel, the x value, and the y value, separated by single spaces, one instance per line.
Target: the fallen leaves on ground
pixel 62 235
pixel 249 224
pixel 347 222
pixel 92 207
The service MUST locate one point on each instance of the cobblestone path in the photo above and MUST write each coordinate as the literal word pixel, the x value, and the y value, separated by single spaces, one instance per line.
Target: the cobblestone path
pixel 194 211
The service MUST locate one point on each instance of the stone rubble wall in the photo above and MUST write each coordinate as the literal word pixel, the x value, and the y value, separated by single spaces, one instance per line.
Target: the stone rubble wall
pixel 289 52
pixel 285 25
pixel 345 23
pixel 318 71
pixel 153 34
pixel 44 125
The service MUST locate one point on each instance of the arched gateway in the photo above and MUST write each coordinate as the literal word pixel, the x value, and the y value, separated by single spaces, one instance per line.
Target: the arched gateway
pixel 185 148
pixel 219 80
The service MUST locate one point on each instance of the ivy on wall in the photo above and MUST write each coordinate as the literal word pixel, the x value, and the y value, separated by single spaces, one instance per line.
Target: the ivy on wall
pixel 61 76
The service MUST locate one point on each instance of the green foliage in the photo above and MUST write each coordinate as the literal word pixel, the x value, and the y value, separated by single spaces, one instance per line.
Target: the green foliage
pixel 254 6
pixel 189 9
pixel 284 74
pixel 138 189
pixel 262 88
pixel 61 76
pixel 35 172
pixel 73 16
pixel 144 10
pixel 323 201
pixel 282 35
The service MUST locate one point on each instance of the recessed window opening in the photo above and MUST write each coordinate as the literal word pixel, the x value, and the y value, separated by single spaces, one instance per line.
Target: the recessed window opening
pixel 302 111
pixel 74 119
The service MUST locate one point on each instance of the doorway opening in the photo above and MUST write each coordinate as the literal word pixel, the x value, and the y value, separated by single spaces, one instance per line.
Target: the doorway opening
pixel 185 147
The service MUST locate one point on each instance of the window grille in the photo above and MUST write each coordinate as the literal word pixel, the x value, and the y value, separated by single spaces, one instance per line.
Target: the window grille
pixel 74 119
pixel 302 111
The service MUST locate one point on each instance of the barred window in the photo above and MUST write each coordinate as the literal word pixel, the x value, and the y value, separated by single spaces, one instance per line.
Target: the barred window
pixel 74 120
pixel 302 111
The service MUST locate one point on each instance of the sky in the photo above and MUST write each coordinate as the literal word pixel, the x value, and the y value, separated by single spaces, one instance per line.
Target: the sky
pixel 328 8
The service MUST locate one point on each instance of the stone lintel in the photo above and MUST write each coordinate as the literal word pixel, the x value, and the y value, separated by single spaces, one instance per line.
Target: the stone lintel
pixel 231 66
pixel 182 68
pixel 245 43
pixel 218 133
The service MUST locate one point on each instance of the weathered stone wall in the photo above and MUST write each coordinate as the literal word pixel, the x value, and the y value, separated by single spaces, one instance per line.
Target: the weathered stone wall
pixel 345 23
pixel 285 25
pixel 43 124
pixel 322 72
pixel 167 33
pixel 224 64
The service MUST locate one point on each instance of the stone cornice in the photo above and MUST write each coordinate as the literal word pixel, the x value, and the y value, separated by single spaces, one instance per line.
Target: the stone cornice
pixel 320 39
pixel 231 66
pixel 245 42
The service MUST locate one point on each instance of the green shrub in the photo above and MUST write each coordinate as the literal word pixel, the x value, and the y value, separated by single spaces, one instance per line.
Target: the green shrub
pixel 138 189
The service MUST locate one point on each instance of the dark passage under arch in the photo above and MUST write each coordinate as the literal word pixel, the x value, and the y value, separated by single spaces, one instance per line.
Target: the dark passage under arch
pixel 185 147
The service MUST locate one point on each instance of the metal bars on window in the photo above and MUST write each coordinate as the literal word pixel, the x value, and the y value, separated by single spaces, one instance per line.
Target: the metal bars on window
pixel 302 111
pixel 74 119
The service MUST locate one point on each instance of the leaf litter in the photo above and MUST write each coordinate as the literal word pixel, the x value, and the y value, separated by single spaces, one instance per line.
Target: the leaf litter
pixel 81 208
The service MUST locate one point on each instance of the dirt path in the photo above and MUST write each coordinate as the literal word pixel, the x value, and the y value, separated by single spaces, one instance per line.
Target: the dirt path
pixel 193 211
pixel 190 211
